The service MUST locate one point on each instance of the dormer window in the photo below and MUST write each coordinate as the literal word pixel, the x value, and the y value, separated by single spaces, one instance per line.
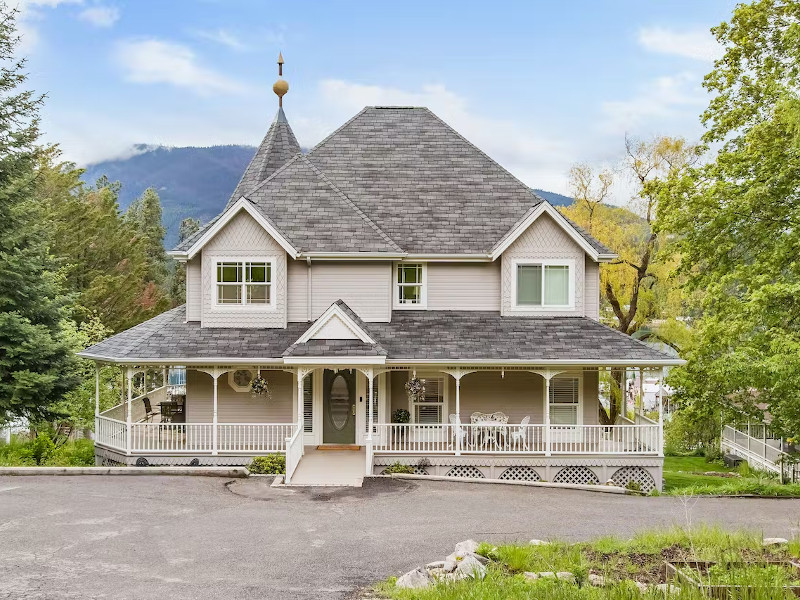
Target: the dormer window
pixel 246 282
pixel 544 284
pixel 410 286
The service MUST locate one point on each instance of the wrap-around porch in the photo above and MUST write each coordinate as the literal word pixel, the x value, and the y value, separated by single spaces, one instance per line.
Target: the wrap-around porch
pixel 466 411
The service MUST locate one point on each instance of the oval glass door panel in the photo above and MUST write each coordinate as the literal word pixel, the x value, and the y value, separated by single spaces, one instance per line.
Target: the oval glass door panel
pixel 339 405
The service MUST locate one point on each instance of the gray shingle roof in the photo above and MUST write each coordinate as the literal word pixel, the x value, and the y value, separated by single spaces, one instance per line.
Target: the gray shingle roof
pixel 389 179
pixel 277 147
pixel 412 335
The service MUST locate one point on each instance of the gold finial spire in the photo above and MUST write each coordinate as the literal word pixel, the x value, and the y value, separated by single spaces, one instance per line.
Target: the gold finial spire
pixel 280 87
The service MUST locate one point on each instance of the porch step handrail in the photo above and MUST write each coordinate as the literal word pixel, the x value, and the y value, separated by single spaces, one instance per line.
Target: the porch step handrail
pixel 294 452
pixel 757 451
pixel 531 439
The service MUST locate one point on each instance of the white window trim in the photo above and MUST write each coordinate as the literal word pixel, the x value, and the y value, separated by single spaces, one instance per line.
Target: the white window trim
pixel 545 262
pixel 423 304
pixel 567 375
pixel 271 306
pixel 445 395
pixel 239 388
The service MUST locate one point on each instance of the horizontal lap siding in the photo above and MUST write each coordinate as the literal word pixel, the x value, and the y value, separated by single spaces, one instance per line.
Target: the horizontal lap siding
pixel 591 406
pixel 238 407
pixel 591 300
pixel 518 395
pixel 297 291
pixel 365 287
pixel 194 290
pixel 464 286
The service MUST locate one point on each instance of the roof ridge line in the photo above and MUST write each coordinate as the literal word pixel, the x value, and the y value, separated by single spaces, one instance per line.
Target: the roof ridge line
pixel 337 130
pixel 279 170
pixel 352 204
pixel 491 160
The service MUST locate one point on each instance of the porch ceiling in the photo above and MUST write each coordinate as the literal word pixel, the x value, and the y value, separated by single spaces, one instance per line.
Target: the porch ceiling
pixel 440 337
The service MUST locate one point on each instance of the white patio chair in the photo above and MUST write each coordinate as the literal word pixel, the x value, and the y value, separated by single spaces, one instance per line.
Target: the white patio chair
pixel 458 430
pixel 519 437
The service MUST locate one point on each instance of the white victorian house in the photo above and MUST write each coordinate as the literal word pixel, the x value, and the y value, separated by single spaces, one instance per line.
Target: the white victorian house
pixel 393 251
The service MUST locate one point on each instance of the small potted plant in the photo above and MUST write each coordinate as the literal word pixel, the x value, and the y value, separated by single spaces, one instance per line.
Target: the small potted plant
pixel 402 416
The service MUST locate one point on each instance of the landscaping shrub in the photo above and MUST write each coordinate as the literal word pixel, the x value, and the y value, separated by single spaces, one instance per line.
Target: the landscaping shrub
pixel 41 451
pixel 399 468
pixel 272 464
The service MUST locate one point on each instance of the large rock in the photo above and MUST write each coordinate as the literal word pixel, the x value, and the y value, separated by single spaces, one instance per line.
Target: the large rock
pixel 437 564
pixel 596 580
pixel 469 566
pixel 776 541
pixel 416 579
pixel 466 547
pixel 567 576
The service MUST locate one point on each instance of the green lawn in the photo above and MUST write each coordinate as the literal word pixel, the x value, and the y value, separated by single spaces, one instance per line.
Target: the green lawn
pixel 621 562
pixel 686 475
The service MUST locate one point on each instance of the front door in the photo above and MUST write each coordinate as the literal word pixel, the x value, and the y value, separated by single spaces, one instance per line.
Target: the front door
pixel 339 407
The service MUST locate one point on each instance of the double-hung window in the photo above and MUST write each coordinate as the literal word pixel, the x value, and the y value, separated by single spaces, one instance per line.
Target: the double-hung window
pixel 244 283
pixel 543 285
pixel 564 400
pixel 430 408
pixel 410 289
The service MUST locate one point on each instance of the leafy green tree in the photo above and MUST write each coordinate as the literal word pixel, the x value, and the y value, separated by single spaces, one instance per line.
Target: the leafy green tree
pixel 36 363
pixel 736 219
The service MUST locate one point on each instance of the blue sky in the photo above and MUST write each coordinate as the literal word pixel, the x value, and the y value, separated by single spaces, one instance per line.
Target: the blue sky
pixel 539 86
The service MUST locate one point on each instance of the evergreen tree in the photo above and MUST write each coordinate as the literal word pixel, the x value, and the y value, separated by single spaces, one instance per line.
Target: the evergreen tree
pixel 144 216
pixel 104 257
pixel 37 366
pixel 187 229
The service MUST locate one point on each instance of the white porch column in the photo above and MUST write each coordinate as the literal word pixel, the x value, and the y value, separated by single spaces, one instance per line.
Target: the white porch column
pixel 661 413
pixel 164 381
pixel 370 373
pixel 547 445
pixel 96 399
pixel 214 420
pixel 458 414
pixel 301 376
pixel 129 373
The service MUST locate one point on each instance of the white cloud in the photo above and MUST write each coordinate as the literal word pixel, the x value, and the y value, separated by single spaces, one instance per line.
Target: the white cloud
pixel 697 44
pixel 658 102
pixel 100 16
pixel 223 37
pixel 157 61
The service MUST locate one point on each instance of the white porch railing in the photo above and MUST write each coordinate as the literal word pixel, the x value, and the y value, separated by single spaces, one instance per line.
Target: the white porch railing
pixel 410 438
pixel 194 438
pixel 111 433
pixel 294 452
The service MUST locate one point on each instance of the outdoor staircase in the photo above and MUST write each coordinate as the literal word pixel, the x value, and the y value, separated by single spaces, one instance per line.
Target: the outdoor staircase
pixel 760 451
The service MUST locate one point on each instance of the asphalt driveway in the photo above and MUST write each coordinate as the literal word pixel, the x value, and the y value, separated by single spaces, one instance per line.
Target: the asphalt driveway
pixel 192 537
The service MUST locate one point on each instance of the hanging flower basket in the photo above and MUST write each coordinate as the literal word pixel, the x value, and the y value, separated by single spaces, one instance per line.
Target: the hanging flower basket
pixel 259 387
pixel 416 389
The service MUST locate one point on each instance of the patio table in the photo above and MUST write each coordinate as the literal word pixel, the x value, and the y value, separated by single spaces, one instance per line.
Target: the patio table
pixel 489 432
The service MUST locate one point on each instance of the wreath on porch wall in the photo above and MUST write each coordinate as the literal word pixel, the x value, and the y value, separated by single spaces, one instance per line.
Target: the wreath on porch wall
pixel 259 387
pixel 416 389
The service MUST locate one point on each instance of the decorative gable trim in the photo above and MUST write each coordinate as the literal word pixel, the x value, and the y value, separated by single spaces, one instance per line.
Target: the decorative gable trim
pixel 243 204
pixel 538 211
pixel 335 321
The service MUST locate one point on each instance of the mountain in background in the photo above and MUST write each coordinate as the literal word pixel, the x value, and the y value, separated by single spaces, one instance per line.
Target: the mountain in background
pixel 191 181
